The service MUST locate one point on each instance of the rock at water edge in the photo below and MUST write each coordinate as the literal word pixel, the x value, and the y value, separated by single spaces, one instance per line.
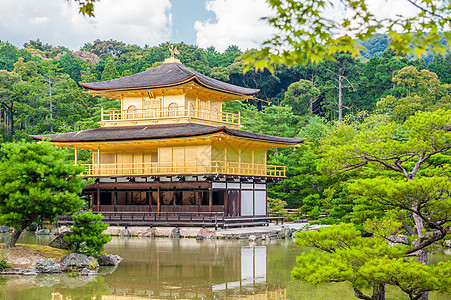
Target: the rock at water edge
pixel 43 231
pixel 4 229
pixel 45 266
pixel 109 260
pixel 59 242
pixel 87 272
pixel 78 261
pixel 175 233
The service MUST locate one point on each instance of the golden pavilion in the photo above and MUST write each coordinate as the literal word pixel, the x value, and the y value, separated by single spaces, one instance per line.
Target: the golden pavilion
pixel 171 155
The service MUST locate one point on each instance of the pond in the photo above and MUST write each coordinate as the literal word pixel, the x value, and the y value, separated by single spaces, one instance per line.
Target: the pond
pixel 161 268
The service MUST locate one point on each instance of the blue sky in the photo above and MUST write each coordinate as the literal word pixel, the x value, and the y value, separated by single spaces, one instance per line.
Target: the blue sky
pixel 184 15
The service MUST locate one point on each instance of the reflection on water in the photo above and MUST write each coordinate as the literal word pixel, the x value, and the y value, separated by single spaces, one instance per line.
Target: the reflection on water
pixel 184 269
pixel 187 268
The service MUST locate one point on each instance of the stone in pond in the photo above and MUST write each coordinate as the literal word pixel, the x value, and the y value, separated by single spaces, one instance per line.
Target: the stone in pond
pixel 109 260
pixel 79 261
pixel 45 266
pixel 43 231
pixel 87 272
pixel 59 242
pixel 175 233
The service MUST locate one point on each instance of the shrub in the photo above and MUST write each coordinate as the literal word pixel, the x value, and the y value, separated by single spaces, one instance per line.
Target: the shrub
pixel 88 238
pixel 276 207
pixel 3 262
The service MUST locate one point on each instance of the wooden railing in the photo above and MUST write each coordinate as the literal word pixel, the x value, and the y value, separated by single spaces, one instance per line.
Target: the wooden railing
pixel 157 218
pixel 168 112
pixel 184 168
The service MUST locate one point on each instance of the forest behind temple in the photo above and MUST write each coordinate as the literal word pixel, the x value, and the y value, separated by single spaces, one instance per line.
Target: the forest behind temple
pixel 39 94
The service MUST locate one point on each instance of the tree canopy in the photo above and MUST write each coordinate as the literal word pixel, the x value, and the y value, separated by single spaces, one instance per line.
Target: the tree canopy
pixel 37 182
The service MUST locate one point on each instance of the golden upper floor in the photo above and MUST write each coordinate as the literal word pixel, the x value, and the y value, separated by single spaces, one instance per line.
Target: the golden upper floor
pixel 169 93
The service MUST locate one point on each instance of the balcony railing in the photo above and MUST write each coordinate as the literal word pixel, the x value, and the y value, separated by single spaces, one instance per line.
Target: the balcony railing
pixel 168 112
pixel 183 168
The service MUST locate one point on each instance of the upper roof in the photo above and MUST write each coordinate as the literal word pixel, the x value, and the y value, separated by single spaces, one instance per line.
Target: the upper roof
pixel 165 75
pixel 157 132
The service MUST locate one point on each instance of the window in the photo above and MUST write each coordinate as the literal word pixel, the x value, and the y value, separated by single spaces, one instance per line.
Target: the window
pixel 151 107
pixel 172 109
pixel 131 112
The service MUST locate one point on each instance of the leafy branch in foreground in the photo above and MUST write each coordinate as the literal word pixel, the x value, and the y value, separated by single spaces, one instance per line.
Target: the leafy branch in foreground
pixel 306 32
pixel 86 7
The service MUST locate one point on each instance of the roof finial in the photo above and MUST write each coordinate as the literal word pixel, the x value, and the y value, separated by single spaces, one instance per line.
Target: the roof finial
pixel 173 51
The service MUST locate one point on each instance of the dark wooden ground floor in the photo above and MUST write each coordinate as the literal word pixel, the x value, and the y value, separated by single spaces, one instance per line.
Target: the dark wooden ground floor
pixel 180 200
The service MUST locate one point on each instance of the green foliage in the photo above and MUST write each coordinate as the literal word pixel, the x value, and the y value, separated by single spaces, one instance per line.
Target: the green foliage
pixel 276 207
pixel 110 71
pixel 306 33
pixel 3 262
pixel 365 263
pixel 394 147
pixel 301 95
pixel 88 237
pixel 86 7
pixel 427 197
pixel 37 182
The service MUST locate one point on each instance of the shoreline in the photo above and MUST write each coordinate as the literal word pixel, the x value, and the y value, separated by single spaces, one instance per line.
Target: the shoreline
pixel 270 231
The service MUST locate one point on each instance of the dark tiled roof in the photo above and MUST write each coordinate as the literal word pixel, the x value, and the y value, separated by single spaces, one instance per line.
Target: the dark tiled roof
pixel 156 132
pixel 167 74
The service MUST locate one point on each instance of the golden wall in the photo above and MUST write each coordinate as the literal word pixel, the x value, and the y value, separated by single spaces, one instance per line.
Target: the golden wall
pixel 201 154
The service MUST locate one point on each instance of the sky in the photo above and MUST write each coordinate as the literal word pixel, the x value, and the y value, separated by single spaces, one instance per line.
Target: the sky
pixel 218 23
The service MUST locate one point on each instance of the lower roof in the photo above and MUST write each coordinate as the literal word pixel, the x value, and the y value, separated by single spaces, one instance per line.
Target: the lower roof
pixel 146 132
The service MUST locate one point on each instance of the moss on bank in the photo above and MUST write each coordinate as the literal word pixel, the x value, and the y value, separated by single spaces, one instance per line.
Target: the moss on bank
pixel 23 255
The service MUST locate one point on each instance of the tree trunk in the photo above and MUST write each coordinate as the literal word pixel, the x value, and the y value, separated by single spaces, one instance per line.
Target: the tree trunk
pixel 12 240
pixel 358 293
pixel 423 257
pixel 378 292
pixel 419 226
pixel 12 119
pixel 340 99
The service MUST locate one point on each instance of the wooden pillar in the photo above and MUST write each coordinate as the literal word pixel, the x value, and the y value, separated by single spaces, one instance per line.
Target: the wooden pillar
pixel 76 156
pixel 225 159
pixel 196 194
pixel 149 199
pixel 159 196
pixel 98 197
pixel 210 196
pixel 253 168
pixel 173 199
pixel 91 201
pixel 226 202
pixel 93 157
pixel 114 196
pixel 253 198
pixel 239 203
pixel 98 160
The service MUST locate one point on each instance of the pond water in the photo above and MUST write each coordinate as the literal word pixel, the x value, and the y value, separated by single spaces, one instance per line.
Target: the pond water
pixel 160 268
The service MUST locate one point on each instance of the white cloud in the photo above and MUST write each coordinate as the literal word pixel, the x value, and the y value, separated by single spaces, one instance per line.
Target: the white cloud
pixel 238 23
pixel 58 22
pixel 38 20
